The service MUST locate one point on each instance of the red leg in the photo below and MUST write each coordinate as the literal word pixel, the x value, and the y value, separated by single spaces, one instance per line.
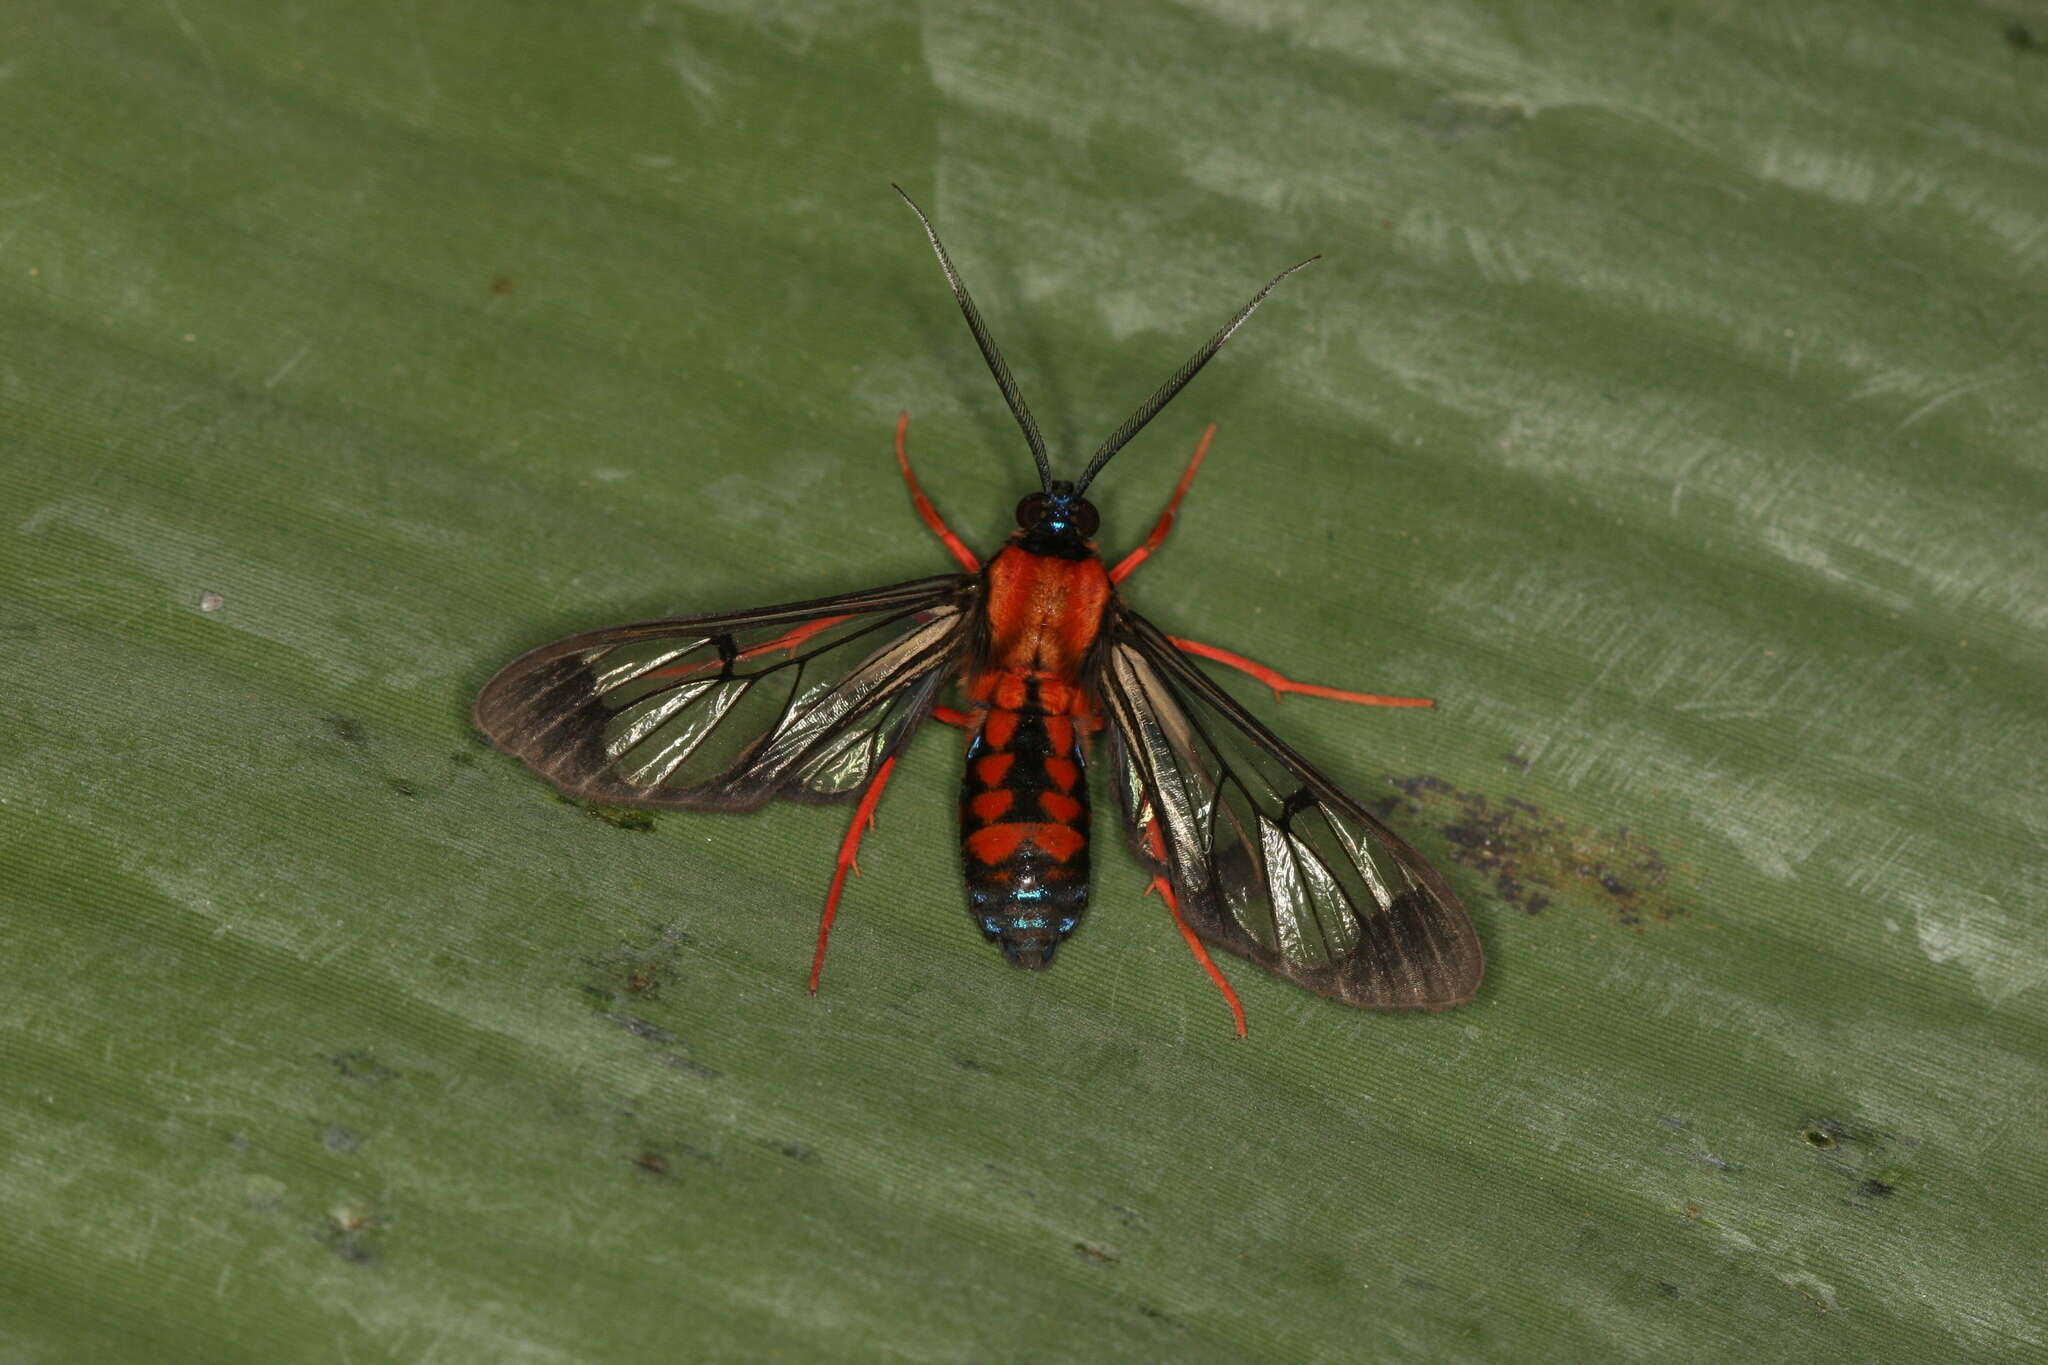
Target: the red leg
pixel 1283 685
pixel 863 821
pixel 1160 884
pixel 1165 891
pixel 924 504
pixel 1180 490
pixel 946 715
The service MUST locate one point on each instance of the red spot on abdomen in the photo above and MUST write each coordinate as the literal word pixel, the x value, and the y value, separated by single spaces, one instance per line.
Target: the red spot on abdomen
pixel 992 805
pixel 1059 806
pixel 993 768
pixel 999 729
pixel 998 843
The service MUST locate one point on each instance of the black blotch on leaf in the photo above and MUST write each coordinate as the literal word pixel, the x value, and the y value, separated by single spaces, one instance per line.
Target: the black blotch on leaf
pixel 360 1067
pixel 401 786
pixel 796 1151
pixel 1871 1161
pixel 652 1163
pixel 1096 1253
pixel 2020 38
pixel 1667 1289
pixel 1535 859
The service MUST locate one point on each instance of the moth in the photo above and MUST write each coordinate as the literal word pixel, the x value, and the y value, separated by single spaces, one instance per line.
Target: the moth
pixel 1250 847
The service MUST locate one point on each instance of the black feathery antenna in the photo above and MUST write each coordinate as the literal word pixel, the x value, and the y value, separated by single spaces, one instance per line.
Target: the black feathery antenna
pixel 1165 392
pixel 987 343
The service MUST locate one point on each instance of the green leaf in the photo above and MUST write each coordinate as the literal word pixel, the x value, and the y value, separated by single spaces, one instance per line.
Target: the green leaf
pixel 1667 403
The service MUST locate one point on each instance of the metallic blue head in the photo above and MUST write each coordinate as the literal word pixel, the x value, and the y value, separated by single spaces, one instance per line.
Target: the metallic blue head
pixel 1058 521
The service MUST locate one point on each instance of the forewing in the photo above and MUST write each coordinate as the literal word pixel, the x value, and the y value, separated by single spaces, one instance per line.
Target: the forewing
pixel 1267 857
pixel 730 711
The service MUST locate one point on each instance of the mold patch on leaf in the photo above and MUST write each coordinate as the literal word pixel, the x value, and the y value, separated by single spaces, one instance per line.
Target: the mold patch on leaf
pixel 1536 860
pixel 629 972
pixel 629 818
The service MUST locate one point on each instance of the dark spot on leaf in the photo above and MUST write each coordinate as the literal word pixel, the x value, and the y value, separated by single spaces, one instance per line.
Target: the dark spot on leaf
pixel 501 284
pixel 402 787
pixel 653 1163
pixel 1097 1253
pixel 642 1028
pixel 2020 38
pixel 1698 1156
pixel 1165 1319
pixel 1516 761
pixel 359 1066
pixel 796 1151
pixel 353 1249
pixel 1667 1289
pixel 348 1235
pixel 675 1061
pixel 967 1063
pixel 348 730
pixel 1871 1161
pixel 463 757
pixel 336 1138
pixel 1534 859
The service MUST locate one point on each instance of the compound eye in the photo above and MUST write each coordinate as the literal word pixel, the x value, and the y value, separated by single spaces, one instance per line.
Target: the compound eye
pixel 1031 510
pixel 1081 513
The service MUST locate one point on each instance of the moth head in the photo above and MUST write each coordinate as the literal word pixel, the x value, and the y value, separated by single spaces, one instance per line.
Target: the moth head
pixel 1059 513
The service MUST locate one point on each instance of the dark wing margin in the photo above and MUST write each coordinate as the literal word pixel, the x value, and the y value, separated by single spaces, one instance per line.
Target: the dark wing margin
pixel 730 711
pixel 1268 858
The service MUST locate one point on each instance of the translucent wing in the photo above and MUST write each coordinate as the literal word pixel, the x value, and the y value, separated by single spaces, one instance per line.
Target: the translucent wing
pixel 1267 857
pixel 730 711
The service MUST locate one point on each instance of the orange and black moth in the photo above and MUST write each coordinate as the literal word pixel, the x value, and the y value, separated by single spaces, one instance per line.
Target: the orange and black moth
pixel 1251 848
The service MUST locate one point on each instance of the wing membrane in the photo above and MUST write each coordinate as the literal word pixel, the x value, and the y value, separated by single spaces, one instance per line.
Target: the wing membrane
pixel 730 711
pixel 1267 857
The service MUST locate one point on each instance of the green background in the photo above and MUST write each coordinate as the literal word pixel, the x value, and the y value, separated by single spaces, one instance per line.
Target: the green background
pixel 1668 404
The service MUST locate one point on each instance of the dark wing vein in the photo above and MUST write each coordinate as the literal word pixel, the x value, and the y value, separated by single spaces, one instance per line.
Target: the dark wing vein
pixel 1268 857
pixel 732 710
